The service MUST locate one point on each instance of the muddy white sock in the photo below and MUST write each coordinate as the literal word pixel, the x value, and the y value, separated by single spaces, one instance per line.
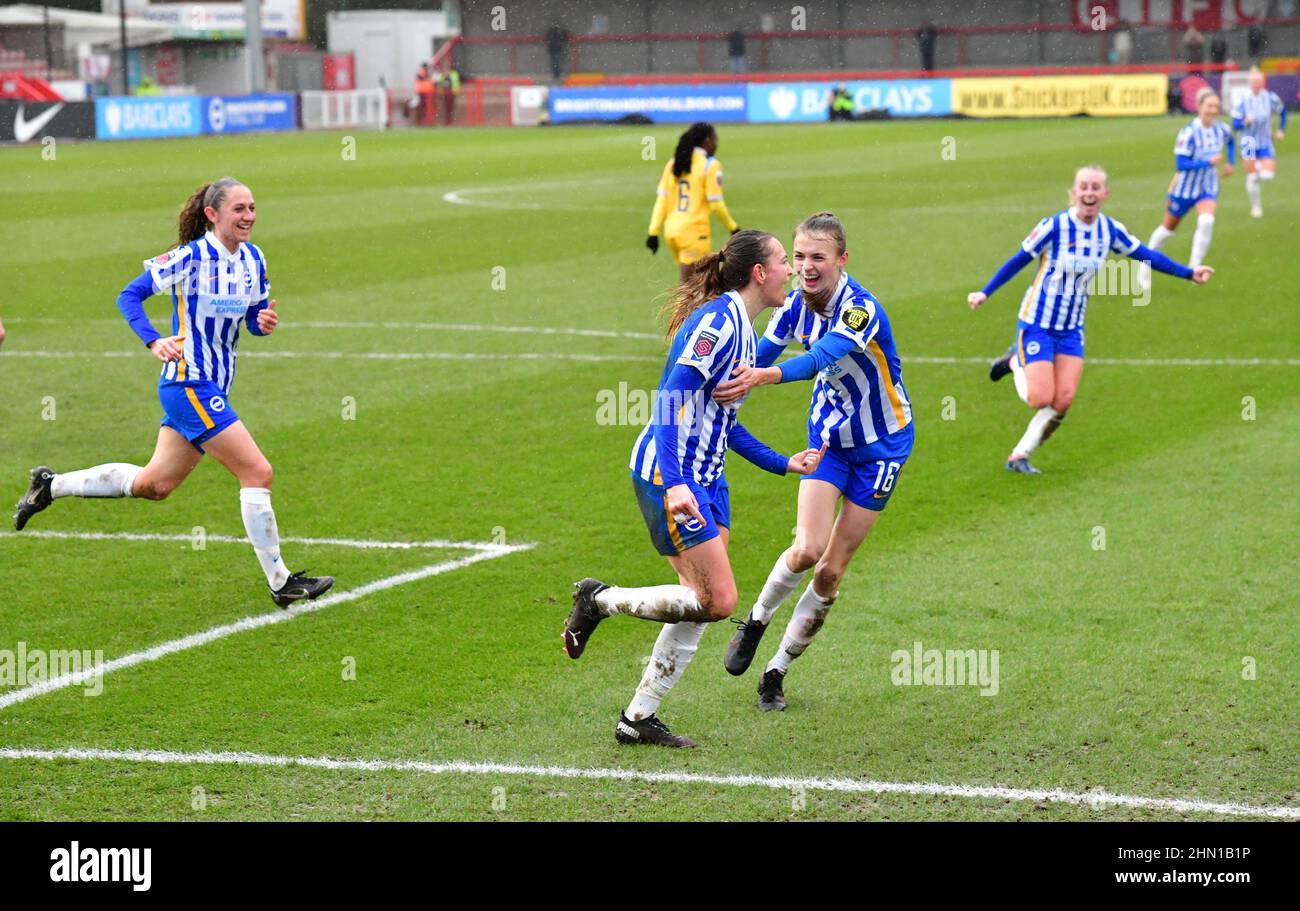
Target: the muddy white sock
pixel 781 581
pixel 112 480
pixel 1201 239
pixel 809 614
pixel 1037 431
pixel 259 523
pixel 673 651
pixel 665 603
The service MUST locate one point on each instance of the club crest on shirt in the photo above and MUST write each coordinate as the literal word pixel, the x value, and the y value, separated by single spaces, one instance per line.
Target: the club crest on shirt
pixel 704 344
pixel 856 318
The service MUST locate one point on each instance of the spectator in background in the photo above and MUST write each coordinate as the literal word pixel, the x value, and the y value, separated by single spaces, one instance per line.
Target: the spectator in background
pixel 1256 41
pixel 1194 49
pixel 424 94
pixel 1218 49
pixel 557 40
pixel 925 38
pixel 736 51
pixel 1123 46
pixel 449 83
pixel 841 106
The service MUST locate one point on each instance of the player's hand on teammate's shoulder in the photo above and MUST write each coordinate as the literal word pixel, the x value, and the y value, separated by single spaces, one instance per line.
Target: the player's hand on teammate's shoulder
pixel 652 243
pixel 268 319
pixel 743 378
pixel 1201 274
pixel 806 462
pixel 975 298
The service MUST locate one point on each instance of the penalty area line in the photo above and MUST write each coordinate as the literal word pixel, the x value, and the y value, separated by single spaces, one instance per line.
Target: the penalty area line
pixel 1092 799
pixel 195 640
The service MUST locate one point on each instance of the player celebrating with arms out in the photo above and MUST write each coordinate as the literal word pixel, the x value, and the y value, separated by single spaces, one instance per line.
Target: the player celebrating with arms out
pixel 677 473
pixel 689 189
pixel 1198 152
pixel 859 410
pixel 217 279
pixel 1046 358
pixel 1252 117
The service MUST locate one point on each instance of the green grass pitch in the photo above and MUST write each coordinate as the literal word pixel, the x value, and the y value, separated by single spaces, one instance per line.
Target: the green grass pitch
pixel 410 413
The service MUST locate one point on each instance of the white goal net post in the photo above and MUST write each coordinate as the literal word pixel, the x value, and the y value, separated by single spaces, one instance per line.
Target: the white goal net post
pixel 1236 85
pixel 365 109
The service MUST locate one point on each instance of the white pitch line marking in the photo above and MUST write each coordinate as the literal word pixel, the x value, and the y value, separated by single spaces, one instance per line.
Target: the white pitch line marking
pixel 232 539
pixel 367 355
pixel 1093 799
pixel 195 640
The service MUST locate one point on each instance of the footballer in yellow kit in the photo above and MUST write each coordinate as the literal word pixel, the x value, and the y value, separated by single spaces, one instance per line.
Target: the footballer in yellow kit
pixel 690 189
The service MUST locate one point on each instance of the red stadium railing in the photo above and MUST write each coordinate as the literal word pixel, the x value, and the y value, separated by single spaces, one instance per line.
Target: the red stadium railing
pixel 896 35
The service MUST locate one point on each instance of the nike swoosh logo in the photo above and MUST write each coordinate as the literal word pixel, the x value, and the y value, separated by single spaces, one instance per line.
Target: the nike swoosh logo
pixel 26 129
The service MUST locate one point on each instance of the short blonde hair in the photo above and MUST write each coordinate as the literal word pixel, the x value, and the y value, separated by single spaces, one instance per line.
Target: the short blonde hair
pixel 1105 178
pixel 1203 93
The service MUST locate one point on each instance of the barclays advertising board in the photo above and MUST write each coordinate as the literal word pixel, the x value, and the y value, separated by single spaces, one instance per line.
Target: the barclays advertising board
pixel 794 102
pixel 148 118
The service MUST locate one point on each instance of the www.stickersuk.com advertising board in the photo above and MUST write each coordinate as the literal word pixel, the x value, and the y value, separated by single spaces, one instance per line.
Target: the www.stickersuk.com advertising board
pixel 1140 94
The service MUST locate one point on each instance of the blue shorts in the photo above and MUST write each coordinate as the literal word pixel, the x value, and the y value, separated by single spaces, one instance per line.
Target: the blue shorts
pixel 1181 205
pixel 1034 343
pixel 864 480
pixel 197 411
pixel 1264 151
pixel 672 537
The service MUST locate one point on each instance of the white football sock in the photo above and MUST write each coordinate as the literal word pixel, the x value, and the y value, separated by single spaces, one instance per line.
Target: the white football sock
pixel 673 650
pixel 1018 377
pixel 1041 426
pixel 1201 239
pixel 112 480
pixel 1265 175
pixel 259 522
pixel 1159 236
pixel 809 614
pixel 1252 190
pixel 665 603
pixel 781 581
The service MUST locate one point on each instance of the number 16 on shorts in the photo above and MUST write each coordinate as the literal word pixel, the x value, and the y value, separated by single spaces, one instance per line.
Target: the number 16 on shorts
pixel 886 475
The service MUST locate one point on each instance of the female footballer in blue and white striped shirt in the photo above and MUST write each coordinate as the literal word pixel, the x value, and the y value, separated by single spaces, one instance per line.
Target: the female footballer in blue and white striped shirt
pixel 217 282
pixel 1198 151
pixel 678 475
pixel 1046 358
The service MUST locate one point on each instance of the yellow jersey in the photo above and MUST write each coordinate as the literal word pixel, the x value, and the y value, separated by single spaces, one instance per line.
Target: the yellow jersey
pixel 684 203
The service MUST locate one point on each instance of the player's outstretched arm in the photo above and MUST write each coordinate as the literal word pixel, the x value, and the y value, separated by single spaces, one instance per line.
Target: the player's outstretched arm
pixel 1161 263
pixel 1008 271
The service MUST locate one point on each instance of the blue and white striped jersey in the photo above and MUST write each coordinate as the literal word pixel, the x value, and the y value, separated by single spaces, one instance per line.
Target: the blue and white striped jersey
pixel 212 291
pixel 859 400
pixel 713 340
pixel 1070 254
pixel 1260 109
pixel 1201 143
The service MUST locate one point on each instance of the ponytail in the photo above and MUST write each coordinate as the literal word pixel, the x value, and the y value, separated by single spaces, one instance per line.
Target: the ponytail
pixel 193 221
pixel 716 274
pixel 686 144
